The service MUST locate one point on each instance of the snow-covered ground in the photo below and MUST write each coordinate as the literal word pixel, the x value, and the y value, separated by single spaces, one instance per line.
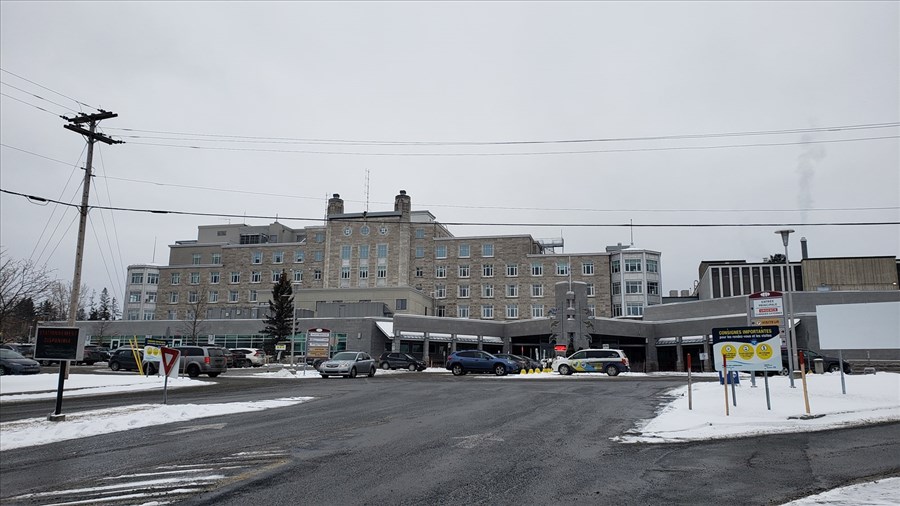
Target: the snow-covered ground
pixel 869 399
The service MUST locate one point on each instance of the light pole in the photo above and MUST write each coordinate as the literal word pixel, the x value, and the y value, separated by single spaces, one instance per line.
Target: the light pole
pixel 789 285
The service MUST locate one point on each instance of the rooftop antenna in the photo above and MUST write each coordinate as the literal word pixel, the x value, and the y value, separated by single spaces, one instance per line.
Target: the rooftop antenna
pixel 631 227
pixel 153 261
pixel 367 191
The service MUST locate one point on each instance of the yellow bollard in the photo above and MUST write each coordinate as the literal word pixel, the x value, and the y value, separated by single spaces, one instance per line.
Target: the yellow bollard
pixel 523 371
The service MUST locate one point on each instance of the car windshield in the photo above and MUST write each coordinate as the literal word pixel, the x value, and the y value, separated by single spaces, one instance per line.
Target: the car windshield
pixel 345 355
pixel 5 353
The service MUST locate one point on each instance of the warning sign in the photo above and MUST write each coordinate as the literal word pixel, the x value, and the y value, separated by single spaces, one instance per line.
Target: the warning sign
pixel 747 348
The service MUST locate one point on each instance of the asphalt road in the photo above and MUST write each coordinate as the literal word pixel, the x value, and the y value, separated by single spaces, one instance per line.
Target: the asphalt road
pixel 417 438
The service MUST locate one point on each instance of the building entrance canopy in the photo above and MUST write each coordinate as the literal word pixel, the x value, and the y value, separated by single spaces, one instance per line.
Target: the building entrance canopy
pixel 388 329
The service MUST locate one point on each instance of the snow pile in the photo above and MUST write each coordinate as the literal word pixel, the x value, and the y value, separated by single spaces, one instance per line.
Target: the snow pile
pixel 44 386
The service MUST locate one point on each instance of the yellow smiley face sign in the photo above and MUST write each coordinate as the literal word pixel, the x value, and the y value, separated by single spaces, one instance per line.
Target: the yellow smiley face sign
pixel 764 351
pixel 745 351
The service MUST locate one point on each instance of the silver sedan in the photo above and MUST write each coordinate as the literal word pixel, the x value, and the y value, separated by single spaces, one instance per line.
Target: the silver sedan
pixel 348 364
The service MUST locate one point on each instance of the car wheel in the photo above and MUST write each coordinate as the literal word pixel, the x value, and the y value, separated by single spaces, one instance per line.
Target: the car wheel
pixel 385 366
pixel 457 370
pixel 412 367
pixel 834 368
pixel 565 370
pixel 500 370
pixel 193 371
pixel 114 366
pixel 213 374
pixel 352 373
pixel 372 371
pixel 324 376
pixel 612 370
pixel 3 371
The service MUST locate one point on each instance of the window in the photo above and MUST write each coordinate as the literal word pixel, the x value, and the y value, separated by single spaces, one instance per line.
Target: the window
pixel 133 314
pixel 632 265
pixel 537 290
pixel 465 251
pixel 652 265
pixel 440 291
pixel 420 272
pixel 382 250
pixel 464 271
pixel 176 278
pixel 256 257
pixel 487 270
pixel 463 291
pixel 276 276
pixel 195 259
pixel 440 251
pixel 345 252
pixel 487 250
pixel 213 296
pixel 462 311
pixel 512 312
pixel 617 309
pixel 562 269
pixel 587 268
pixel 440 271
pixel 152 278
pixel 512 290
pixel 134 297
pixel 487 311
pixel 318 256
pixel 420 233
pixel 193 297
pixel 253 296
pixel 441 311
pixel 537 269
pixel 214 278
pixel 420 251
pixel 381 272
pixel 614 266
pixel 151 297
pixel 255 276
pixel 345 272
pixel 319 237
pixel 590 290
pixel 235 276
pixel 195 278
pixel 148 314
pixel 221 233
pixel 635 309
pixel 634 287
pixel 278 257
pixel 172 314
pixel 616 288
pixel 299 256
pixel 233 296
pixel 487 291
pixel 512 270
pixel 537 310
pixel 249 239
pixel 137 278
pixel 298 276
pixel 173 297
pixel 363 272
pixel 652 287
pixel 592 309
pixel 317 274
pixel 363 251
pixel 217 258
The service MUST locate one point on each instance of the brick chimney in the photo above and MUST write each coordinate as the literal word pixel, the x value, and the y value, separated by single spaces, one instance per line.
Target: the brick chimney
pixel 335 205
pixel 403 203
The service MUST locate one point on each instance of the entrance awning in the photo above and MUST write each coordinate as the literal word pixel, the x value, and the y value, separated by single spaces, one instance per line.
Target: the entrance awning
pixel 388 329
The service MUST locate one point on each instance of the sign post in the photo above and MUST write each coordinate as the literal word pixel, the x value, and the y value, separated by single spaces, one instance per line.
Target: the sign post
pixel 767 308
pixel 63 344
pixel 318 344
pixel 169 358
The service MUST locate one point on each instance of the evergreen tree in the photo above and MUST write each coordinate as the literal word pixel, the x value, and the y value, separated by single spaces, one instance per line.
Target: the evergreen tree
pixel 114 311
pixel 93 314
pixel 103 309
pixel 279 318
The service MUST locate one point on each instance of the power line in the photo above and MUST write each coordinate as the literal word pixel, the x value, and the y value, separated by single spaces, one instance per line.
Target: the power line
pixel 471 224
pixel 30 104
pixel 531 153
pixel 38 97
pixel 48 89
pixel 464 206
pixel 293 140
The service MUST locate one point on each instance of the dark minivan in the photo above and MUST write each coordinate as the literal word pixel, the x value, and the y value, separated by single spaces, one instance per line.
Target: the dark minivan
pixel 197 360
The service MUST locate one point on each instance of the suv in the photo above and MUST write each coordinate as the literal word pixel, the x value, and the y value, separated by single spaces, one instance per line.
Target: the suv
pixel 197 360
pixel 256 356
pixel 612 362
pixel 832 364
pixel 24 349
pixel 461 362
pixel 91 356
pixel 123 358
pixel 396 360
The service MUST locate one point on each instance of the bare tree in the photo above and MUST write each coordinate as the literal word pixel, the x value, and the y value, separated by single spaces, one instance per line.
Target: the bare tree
pixel 20 280
pixel 59 296
pixel 193 324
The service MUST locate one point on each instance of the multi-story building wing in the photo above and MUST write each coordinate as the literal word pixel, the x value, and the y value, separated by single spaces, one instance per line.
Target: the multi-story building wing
pixel 141 292
pixel 634 280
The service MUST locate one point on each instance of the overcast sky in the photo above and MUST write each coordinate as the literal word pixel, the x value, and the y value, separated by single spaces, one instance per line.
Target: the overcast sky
pixel 271 75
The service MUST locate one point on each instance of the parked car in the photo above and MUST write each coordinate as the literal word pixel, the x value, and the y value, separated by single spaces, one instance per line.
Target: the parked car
pixel 238 358
pixel 395 360
pixel 832 364
pixel 523 361
pixel 90 357
pixel 348 364
pixel 24 349
pixel 197 360
pixel 256 356
pixel 13 362
pixel 123 359
pixel 102 351
pixel 610 361
pixel 462 362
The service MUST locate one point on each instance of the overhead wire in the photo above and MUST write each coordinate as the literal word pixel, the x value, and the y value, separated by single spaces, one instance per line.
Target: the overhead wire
pixel 118 262
pixel 38 96
pixel 29 104
pixel 53 212
pixel 80 103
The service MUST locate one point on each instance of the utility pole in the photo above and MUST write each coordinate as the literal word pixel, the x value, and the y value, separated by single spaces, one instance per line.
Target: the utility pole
pixel 92 136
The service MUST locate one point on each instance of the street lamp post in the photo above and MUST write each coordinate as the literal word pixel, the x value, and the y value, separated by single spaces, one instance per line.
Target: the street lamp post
pixel 789 325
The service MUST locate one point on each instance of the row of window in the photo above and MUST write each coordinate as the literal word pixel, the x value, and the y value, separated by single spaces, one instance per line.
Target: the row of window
pixel 512 270
pixel 486 311
pixel 631 309
pixel 635 265
pixel 193 297
pixel 487 291
pixel 235 277
pixel 137 278
pixel 635 287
